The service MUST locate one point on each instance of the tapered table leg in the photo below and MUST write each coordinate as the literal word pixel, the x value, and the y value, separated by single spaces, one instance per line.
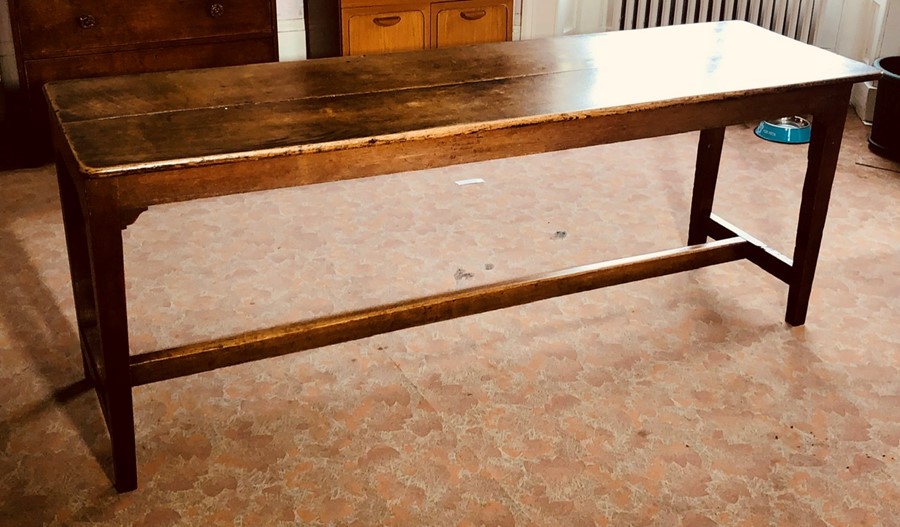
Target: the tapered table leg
pixel 79 263
pixel 94 242
pixel 709 152
pixel 824 147
pixel 107 261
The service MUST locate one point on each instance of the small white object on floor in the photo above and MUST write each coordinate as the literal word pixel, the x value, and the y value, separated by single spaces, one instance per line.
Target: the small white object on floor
pixel 472 181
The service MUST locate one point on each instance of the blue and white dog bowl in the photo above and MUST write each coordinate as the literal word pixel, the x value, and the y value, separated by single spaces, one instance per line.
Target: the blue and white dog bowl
pixel 788 130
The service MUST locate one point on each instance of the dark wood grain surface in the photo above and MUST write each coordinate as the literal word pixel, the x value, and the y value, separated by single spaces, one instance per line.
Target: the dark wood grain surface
pixel 118 125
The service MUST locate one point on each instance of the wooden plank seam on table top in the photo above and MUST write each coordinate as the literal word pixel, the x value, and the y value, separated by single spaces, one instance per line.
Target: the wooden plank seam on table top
pixel 399 98
pixel 321 78
pixel 137 190
pixel 274 82
pixel 149 185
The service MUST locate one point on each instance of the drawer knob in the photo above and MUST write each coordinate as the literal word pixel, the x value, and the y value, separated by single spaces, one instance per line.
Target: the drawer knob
pixel 216 10
pixel 473 15
pixel 386 21
pixel 87 21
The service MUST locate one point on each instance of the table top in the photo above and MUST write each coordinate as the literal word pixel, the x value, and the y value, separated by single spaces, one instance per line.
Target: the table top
pixel 140 123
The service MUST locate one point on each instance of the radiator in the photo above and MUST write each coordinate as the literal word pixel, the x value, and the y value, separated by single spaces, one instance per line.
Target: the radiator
pixel 793 18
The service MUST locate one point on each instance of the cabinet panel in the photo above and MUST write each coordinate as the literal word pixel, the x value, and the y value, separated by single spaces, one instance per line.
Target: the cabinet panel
pixel 56 27
pixel 383 30
pixel 470 22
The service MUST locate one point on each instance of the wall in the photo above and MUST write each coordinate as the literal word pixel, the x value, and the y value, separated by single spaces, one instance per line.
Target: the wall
pixel 890 39
pixel 861 29
pixel 544 18
pixel 291 30
pixel 864 30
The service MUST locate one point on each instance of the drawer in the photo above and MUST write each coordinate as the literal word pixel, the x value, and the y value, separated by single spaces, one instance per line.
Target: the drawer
pixel 39 72
pixel 470 22
pixel 61 27
pixel 370 30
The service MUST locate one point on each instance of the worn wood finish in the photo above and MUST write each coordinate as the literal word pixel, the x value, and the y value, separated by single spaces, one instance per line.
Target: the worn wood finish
pixel 185 56
pixel 301 109
pixel 128 143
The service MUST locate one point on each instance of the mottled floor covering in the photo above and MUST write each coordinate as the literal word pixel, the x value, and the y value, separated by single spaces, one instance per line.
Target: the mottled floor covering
pixel 684 400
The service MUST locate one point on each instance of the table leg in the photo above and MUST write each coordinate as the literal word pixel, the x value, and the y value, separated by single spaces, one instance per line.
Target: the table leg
pixel 709 152
pixel 824 147
pixel 79 263
pixel 94 243
pixel 107 261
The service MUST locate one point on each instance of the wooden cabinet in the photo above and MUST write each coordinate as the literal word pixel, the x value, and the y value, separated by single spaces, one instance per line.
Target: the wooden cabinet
pixel 66 39
pixel 383 26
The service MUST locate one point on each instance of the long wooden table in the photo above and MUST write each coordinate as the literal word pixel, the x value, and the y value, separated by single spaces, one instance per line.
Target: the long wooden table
pixel 124 144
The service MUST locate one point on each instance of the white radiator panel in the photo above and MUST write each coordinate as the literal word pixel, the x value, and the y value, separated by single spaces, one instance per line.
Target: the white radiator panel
pixel 793 18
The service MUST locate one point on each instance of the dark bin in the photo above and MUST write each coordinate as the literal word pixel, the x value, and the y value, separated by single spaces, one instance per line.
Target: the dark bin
pixel 885 137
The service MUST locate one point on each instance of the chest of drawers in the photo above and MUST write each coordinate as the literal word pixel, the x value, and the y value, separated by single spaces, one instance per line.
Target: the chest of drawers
pixel 382 26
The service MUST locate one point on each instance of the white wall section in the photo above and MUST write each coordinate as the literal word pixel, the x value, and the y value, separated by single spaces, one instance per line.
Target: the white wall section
pixel 291 30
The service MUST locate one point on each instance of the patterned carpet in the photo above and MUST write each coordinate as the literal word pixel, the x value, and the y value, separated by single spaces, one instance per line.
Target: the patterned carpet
pixel 684 400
